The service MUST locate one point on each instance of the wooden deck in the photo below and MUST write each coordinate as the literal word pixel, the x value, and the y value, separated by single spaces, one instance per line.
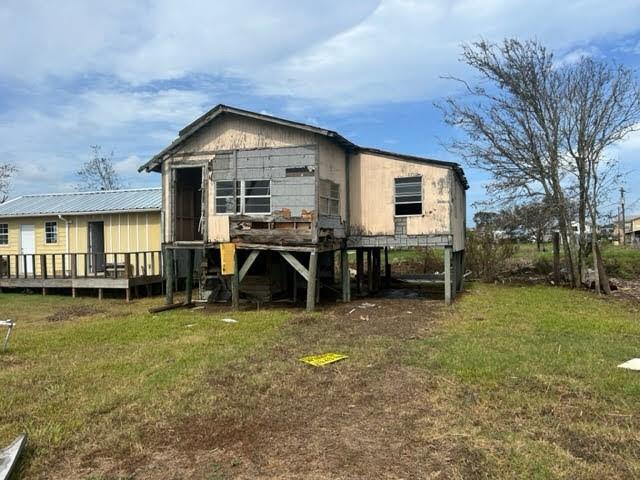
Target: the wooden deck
pixel 118 271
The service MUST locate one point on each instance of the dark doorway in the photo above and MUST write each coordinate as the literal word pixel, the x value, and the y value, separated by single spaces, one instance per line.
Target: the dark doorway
pixel 188 204
pixel 96 246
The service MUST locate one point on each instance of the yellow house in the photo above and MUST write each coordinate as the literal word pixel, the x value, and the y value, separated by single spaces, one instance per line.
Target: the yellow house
pixel 105 239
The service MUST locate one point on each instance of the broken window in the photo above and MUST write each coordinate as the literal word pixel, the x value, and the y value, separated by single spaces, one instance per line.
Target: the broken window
pixel 329 198
pixel 251 196
pixel 51 232
pixel 4 234
pixel 408 195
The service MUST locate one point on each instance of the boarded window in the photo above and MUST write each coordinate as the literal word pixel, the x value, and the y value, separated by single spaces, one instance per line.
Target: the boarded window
pixel 408 196
pixel 51 232
pixel 4 234
pixel 252 196
pixel 329 198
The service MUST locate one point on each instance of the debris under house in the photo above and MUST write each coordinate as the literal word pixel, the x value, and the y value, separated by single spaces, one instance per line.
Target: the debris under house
pixel 281 201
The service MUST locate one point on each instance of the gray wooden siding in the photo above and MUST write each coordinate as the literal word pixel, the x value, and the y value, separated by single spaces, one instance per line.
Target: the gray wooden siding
pixel 296 193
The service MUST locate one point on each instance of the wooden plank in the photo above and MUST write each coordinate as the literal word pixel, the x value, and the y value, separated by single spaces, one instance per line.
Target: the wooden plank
pixel 311 281
pixel 447 275
pixel 295 263
pixel 248 262
pixel 235 283
pixel 346 277
pixel 169 274
pixel 189 286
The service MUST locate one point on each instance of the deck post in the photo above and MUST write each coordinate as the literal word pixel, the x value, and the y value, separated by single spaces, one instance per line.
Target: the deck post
pixel 189 286
pixel 235 283
pixel 312 282
pixel 387 268
pixel 43 266
pixel 345 276
pixel 168 274
pixel 447 275
pixel 73 292
pixel 100 294
pixel 128 294
pixel 359 269
pixel 74 265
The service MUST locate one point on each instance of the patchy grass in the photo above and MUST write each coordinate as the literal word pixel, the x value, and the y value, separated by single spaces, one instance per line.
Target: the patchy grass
pixel 511 382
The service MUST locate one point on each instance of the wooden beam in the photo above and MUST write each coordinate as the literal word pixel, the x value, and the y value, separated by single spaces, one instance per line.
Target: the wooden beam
pixel 168 275
pixel 312 281
pixel 189 286
pixel 346 277
pixel 359 269
pixel 235 283
pixel 295 263
pixel 387 268
pixel 248 262
pixel 447 275
pixel 369 270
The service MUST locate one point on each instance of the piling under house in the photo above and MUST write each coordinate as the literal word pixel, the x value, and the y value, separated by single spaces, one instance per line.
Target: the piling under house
pixel 282 197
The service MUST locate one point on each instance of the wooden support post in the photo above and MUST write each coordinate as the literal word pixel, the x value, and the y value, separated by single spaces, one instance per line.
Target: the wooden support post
pixel 168 276
pixel 462 269
pixel 556 257
pixel 312 281
pixel 100 294
pixel 235 283
pixel 359 269
pixel 454 274
pixel 127 265
pixel 387 269
pixel 128 294
pixel 376 269
pixel 369 270
pixel 44 291
pixel 73 292
pixel 345 276
pixel 189 286
pixel 447 275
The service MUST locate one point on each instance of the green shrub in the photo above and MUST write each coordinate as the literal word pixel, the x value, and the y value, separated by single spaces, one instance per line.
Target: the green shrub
pixel 487 257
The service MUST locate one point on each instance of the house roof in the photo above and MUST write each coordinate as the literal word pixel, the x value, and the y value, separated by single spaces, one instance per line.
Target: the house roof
pixel 81 203
pixel 196 125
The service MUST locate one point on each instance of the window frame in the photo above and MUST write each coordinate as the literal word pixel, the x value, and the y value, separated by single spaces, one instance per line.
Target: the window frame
pixel 240 193
pixel 47 233
pixel 330 198
pixel 4 235
pixel 395 197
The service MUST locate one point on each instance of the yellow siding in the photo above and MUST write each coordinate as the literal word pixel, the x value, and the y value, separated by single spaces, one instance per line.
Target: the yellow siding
pixel 372 195
pixel 124 233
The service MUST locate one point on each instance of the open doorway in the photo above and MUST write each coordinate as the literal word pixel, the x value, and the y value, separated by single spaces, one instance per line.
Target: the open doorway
pixel 188 204
pixel 96 246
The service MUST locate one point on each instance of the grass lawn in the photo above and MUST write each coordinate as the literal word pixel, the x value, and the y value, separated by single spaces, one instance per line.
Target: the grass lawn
pixel 511 382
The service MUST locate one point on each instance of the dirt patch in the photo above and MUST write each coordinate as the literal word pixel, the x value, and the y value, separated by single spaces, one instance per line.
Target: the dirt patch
pixel 275 417
pixel 76 311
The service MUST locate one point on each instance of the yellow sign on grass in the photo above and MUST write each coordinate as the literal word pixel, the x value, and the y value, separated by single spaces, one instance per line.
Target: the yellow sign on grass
pixel 324 359
pixel 227 258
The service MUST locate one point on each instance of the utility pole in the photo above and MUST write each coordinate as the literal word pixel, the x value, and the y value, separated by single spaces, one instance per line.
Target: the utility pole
pixel 624 237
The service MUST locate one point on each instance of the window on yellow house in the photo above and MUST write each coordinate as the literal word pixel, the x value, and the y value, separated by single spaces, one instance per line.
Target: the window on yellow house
pixel 51 232
pixel 4 234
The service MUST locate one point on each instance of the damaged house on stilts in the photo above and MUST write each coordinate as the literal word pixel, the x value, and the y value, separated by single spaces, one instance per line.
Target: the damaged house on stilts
pixel 278 199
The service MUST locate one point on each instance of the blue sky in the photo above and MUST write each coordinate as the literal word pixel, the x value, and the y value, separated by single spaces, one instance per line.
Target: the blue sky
pixel 128 75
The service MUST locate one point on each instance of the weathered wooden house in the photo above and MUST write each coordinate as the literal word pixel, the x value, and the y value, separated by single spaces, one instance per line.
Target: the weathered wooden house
pixel 288 195
pixel 94 240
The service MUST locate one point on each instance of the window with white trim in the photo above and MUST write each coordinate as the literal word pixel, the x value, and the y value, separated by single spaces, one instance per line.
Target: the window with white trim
pixel 252 196
pixel 50 232
pixel 329 197
pixel 408 196
pixel 4 234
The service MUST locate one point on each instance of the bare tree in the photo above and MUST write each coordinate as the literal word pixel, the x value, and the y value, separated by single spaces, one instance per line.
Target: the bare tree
pixel 512 120
pixel 602 108
pixel 7 171
pixel 98 173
